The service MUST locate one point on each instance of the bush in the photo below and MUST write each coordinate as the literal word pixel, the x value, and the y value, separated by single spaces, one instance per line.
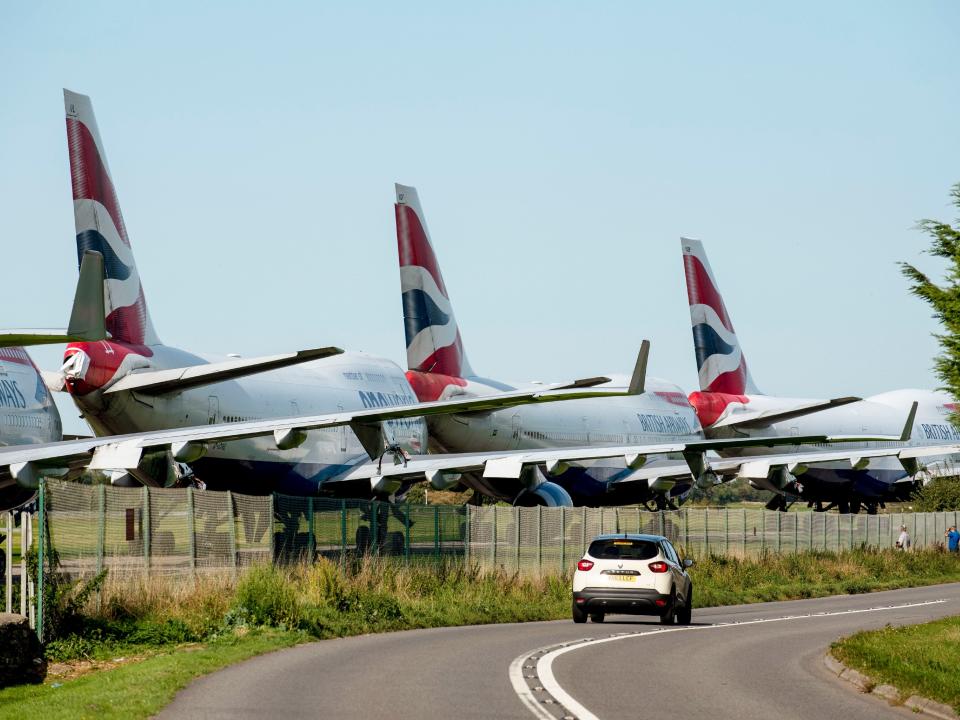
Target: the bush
pixel 941 494
pixel 266 596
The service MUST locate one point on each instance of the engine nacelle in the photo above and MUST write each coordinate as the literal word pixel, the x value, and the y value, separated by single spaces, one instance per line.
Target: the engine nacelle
pixel 442 480
pixel 547 494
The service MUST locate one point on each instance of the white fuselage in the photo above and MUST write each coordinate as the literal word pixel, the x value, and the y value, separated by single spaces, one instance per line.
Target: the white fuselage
pixel 883 414
pixel 661 414
pixel 344 382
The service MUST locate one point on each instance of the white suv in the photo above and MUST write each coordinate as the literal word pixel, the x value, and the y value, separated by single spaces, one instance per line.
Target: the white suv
pixel 635 574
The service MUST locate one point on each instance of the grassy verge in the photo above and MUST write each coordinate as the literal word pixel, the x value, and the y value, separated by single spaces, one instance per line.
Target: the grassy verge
pixel 187 628
pixel 919 659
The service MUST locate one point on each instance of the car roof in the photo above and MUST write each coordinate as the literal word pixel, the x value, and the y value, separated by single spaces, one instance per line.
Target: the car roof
pixel 630 536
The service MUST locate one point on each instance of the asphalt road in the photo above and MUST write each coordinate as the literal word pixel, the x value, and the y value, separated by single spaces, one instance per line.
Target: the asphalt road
pixel 746 662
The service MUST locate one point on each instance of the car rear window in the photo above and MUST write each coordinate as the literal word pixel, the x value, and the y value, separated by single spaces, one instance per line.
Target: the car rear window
pixel 623 548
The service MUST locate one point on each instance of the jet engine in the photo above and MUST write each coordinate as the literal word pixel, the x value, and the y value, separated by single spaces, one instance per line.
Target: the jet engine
pixel 547 494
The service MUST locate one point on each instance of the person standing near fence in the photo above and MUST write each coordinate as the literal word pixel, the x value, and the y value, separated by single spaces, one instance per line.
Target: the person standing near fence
pixel 953 539
pixel 903 542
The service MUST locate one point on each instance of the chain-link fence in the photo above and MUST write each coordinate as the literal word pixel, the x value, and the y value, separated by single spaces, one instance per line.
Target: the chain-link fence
pixel 183 531
pixel 538 540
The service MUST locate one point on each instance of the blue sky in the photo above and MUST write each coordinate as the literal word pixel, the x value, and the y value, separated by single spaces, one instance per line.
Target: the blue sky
pixel 560 151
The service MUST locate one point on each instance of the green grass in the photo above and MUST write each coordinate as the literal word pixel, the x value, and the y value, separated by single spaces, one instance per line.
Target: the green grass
pixel 230 618
pixel 138 689
pixel 917 660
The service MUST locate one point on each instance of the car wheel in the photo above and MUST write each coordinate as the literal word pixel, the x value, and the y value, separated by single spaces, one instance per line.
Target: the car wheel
pixel 685 614
pixel 579 614
pixel 669 616
pixel 596 617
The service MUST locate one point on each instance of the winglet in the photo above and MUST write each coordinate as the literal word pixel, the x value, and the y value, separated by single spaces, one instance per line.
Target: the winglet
pixel 87 317
pixel 639 378
pixel 908 426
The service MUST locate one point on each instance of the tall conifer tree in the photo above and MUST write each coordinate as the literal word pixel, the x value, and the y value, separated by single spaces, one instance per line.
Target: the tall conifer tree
pixel 945 298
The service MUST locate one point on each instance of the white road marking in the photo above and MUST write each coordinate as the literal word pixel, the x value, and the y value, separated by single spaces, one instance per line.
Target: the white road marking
pixel 544 667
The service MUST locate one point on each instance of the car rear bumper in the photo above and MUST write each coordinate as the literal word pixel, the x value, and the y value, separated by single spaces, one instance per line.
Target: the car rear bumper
pixel 635 601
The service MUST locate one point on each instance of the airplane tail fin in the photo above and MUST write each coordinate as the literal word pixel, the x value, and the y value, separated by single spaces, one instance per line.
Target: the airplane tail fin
pixel 721 363
pixel 433 338
pixel 100 227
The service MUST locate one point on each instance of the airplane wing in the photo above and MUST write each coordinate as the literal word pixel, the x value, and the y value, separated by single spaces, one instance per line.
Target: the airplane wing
pixel 159 382
pixel 763 418
pixel 27 462
pixel 86 319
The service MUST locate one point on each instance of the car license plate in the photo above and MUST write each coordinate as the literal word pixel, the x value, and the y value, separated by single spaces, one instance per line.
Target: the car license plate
pixel 624 578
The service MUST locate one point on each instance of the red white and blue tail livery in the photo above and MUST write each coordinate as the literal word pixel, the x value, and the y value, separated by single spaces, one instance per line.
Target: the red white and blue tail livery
pixel 100 227
pixel 433 338
pixel 721 364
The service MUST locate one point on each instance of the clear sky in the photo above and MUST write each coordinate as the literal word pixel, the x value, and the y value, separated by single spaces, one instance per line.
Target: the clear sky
pixel 560 150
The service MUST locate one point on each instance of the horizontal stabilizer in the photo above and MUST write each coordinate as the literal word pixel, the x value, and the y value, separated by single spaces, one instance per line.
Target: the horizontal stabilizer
pixel 763 418
pixel 86 319
pixel 160 382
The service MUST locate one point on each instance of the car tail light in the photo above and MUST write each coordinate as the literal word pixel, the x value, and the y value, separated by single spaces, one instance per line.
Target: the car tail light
pixel 585 565
pixel 658 566
pixel 660 602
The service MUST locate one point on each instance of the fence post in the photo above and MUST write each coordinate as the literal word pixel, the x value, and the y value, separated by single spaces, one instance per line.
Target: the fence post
pixel 493 538
pixel 796 531
pixel 232 523
pixel 374 525
pixel 436 533
pixel 41 555
pixel 851 532
pixel 516 536
pixel 539 539
pixel 343 529
pixel 743 543
pixel 26 540
pixel 583 530
pixel 467 536
pixel 8 565
pixel 192 530
pixel 663 522
pixel 273 539
pixel 311 537
pixel 101 526
pixel 563 537
pixel 406 533
pixel 726 532
pixel 145 526
pixel 706 534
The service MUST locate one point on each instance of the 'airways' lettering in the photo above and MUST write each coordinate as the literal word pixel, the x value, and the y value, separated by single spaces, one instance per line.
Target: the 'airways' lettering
pixel 376 399
pixel 670 424
pixel 10 395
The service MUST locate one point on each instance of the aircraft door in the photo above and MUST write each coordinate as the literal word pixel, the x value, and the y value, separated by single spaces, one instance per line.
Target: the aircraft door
pixel 213 409
pixel 515 427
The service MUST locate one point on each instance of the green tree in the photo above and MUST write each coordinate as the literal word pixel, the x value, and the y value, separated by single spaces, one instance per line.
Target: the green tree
pixel 943 299
pixel 941 494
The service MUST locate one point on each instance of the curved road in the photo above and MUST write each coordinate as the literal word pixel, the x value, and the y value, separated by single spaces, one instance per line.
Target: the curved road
pixel 745 662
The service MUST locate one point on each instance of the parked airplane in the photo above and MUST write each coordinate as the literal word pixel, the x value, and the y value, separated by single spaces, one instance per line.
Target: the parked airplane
pixel 28 414
pixel 133 383
pixel 730 405
pixel 438 369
